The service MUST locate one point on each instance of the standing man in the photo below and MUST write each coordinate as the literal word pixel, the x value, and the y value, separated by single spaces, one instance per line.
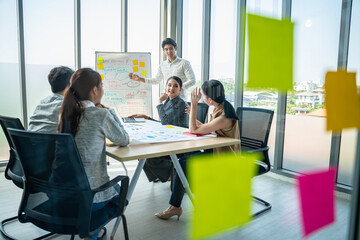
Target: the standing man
pixel 173 66
pixel 46 114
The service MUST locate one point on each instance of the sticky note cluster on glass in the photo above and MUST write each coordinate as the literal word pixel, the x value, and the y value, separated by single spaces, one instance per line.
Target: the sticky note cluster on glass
pixel 316 193
pixel 342 101
pixel 221 185
pixel 270 53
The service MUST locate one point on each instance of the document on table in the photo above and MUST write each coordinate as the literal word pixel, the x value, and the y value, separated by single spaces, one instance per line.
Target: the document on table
pixel 155 132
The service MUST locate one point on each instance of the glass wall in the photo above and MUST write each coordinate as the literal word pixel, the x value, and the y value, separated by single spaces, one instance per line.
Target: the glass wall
pixel 100 29
pixel 143 35
pixel 9 68
pixel 192 36
pixel 223 44
pixel 49 42
pixel 349 136
pixel 262 98
pixel 316 42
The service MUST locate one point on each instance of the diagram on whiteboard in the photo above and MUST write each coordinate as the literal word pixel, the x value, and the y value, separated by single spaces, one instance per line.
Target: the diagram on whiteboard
pixel 127 95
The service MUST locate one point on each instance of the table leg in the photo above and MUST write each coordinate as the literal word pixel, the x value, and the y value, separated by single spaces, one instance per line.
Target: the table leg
pixel 182 176
pixel 131 189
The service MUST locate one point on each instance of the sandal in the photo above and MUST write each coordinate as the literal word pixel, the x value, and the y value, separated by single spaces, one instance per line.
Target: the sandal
pixel 103 235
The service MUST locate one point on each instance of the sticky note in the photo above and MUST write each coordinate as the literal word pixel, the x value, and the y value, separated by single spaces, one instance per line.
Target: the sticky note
pixel 221 185
pixel 317 200
pixel 143 73
pixel 135 62
pixel 102 76
pixel 100 60
pixel 135 69
pixel 142 64
pixel 341 100
pixel 169 126
pixel 270 53
pixel 100 66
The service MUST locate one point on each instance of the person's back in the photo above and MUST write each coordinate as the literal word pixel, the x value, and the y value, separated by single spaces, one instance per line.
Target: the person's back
pixel 46 115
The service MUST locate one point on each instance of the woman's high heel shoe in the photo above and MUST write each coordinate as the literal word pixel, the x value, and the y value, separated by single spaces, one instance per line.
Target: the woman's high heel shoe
pixel 169 212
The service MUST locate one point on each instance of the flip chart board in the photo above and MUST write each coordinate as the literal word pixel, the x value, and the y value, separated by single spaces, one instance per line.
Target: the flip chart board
pixel 128 96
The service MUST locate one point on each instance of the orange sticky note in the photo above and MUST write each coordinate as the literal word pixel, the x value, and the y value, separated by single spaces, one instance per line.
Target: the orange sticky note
pixel 100 66
pixel 142 64
pixel 135 62
pixel 100 60
pixel 102 76
pixel 270 53
pixel 143 73
pixel 135 69
pixel 341 101
pixel 230 174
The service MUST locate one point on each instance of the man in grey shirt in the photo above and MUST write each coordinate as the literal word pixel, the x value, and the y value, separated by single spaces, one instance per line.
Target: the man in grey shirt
pixel 46 114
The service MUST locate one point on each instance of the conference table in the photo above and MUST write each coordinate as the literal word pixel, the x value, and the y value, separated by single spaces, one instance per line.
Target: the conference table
pixel 142 151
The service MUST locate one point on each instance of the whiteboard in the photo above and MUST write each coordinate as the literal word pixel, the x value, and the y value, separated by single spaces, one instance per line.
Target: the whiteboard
pixel 128 96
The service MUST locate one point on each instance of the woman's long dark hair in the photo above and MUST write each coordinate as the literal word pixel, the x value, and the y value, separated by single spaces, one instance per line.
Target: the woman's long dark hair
pixel 82 82
pixel 215 90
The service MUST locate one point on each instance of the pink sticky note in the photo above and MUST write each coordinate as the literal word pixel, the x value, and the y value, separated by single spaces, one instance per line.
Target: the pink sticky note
pixel 317 200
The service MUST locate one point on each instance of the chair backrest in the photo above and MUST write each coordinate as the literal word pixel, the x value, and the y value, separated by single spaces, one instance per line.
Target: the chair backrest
pixel 201 111
pixel 254 126
pixel 13 170
pixel 57 195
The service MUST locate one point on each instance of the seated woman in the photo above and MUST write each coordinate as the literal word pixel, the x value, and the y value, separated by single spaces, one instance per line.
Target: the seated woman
pixel 171 110
pixel 223 121
pixel 90 122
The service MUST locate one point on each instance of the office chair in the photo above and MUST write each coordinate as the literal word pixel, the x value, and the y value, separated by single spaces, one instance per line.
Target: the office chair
pixel 57 196
pixel 13 169
pixel 254 127
pixel 201 111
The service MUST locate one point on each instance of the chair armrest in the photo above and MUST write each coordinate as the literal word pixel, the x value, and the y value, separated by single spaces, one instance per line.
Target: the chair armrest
pixel 110 183
pixel 259 149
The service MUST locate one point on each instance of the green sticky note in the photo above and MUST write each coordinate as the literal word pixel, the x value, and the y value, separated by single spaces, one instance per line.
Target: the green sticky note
pixel 222 186
pixel 143 73
pixel 341 100
pixel 270 53
pixel 100 60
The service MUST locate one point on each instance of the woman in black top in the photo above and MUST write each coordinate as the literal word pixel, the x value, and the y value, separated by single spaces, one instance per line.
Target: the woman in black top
pixel 171 110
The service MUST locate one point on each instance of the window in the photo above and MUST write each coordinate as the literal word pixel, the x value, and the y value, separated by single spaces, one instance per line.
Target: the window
pixel 9 67
pixel 223 44
pixel 100 29
pixel 316 36
pixel 192 35
pixel 262 98
pixel 349 136
pixel 144 27
pixel 49 42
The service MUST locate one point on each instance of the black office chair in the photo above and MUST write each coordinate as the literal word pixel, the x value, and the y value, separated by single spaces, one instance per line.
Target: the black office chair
pixel 13 169
pixel 254 126
pixel 201 111
pixel 57 195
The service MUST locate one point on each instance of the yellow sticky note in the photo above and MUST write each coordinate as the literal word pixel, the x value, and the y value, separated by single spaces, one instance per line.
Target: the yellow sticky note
pixel 169 126
pixel 102 76
pixel 135 69
pixel 341 100
pixel 135 62
pixel 100 60
pixel 222 186
pixel 270 53
pixel 100 66
pixel 142 64
pixel 143 73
